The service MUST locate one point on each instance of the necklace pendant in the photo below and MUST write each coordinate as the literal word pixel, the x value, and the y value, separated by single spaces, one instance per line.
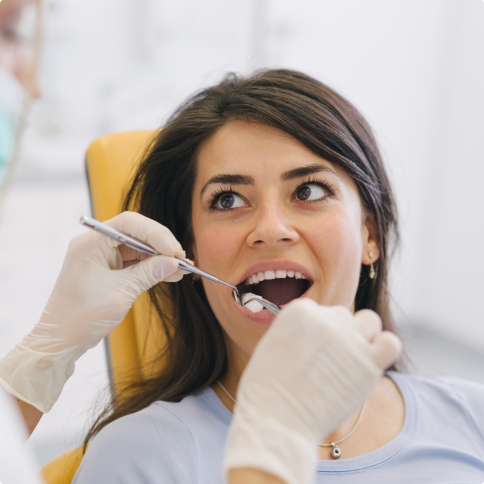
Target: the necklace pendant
pixel 336 452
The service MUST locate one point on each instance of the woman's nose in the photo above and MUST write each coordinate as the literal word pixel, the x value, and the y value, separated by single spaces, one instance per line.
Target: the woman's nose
pixel 272 228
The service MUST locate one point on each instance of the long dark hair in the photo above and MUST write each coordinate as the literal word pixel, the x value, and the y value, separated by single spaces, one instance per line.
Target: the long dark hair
pixel 162 189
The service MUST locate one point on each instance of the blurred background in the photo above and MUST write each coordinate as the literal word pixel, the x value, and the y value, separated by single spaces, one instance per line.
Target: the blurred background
pixel 413 68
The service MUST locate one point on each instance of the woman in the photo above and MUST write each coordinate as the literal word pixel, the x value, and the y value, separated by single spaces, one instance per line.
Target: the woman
pixel 275 183
pixel 94 292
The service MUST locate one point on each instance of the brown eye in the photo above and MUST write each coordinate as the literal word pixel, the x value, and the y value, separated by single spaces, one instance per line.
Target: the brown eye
pixel 304 192
pixel 311 192
pixel 227 201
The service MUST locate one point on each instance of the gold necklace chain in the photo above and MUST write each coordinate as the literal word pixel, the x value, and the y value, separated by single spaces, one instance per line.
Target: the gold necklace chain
pixel 336 451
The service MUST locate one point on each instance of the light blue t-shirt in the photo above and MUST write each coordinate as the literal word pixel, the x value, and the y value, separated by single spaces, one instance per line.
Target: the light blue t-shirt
pixel 442 441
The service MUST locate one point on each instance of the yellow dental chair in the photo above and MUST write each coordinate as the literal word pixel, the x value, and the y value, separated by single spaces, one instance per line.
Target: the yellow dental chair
pixel 110 163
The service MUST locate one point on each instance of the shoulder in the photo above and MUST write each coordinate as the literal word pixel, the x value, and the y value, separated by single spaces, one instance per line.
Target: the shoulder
pixel 444 385
pixel 151 426
pixel 455 395
pixel 142 447
pixel 466 394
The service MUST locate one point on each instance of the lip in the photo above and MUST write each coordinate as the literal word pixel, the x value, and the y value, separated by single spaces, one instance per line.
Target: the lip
pixel 280 264
pixel 265 316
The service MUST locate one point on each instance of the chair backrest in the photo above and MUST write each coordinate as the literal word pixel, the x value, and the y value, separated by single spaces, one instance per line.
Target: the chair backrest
pixel 63 468
pixel 111 161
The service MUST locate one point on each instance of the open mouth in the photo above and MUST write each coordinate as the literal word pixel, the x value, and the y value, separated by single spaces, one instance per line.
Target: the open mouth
pixel 279 287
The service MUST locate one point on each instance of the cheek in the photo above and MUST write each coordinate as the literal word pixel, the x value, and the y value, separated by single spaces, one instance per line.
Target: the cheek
pixel 337 244
pixel 337 231
pixel 214 247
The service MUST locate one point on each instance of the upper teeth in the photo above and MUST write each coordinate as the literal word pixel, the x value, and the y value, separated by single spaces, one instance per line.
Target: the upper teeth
pixel 279 274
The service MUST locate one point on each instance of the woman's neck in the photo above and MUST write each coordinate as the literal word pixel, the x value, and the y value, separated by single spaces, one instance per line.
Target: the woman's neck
pixel 230 381
pixel 381 422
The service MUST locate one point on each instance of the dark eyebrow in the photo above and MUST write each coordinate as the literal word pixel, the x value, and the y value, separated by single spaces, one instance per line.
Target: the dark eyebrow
pixel 229 180
pixel 305 171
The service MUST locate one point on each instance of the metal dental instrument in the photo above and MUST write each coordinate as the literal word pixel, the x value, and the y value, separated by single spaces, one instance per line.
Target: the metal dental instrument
pixel 273 308
pixel 147 249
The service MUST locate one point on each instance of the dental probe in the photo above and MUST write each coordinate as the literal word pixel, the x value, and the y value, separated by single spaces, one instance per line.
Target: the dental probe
pixel 147 249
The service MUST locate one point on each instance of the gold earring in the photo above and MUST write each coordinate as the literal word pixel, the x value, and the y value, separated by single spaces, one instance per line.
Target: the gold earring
pixel 372 269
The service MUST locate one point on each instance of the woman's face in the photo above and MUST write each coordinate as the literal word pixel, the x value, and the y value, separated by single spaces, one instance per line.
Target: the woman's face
pixel 275 219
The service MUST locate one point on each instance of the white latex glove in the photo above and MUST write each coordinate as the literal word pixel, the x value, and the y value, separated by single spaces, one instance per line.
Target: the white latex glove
pixel 314 367
pixel 92 295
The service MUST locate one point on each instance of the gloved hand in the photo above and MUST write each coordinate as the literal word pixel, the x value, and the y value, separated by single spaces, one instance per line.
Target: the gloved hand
pixel 311 371
pixel 92 295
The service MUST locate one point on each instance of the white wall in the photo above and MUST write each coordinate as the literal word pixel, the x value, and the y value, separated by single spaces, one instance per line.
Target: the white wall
pixel 413 67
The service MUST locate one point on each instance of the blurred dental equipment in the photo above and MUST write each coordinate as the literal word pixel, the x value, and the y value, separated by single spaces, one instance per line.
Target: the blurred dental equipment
pixel 254 302
pixel 20 49
pixel 11 98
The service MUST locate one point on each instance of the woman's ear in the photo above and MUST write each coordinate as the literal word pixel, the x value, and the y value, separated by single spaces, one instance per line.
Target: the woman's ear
pixel 370 241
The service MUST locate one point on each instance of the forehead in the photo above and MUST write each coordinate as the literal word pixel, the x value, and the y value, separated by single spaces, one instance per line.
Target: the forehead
pixel 255 149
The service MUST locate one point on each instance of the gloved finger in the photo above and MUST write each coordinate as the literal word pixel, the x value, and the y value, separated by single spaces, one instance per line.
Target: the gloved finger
pixel 386 349
pixel 177 276
pixel 147 273
pixel 129 254
pixel 132 256
pixel 338 315
pixel 368 324
pixel 149 231
pixel 129 263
